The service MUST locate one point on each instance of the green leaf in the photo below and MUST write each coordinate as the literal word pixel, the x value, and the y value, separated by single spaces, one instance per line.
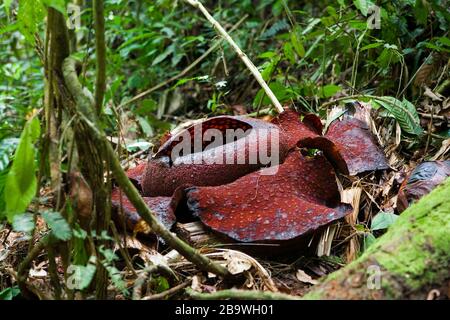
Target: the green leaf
pixel 21 182
pixel 7 4
pixel 60 228
pixel 145 126
pixel 31 13
pixel 445 41
pixel 9 293
pixel 421 11
pixel 297 44
pixel 79 277
pixel 289 52
pixel 278 90
pixel 383 220
pixel 24 223
pixel 161 284
pixel 363 6
pixel 267 55
pixel 59 5
pixel 372 45
pixel 7 147
pixel 368 240
pixel 116 278
pixel 329 90
pixel 269 68
pixel 404 112
pixel 80 255
pixel 170 49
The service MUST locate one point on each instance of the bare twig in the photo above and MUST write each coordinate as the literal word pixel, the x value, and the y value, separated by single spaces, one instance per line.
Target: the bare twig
pixel 240 295
pixel 197 4
pixel 169 292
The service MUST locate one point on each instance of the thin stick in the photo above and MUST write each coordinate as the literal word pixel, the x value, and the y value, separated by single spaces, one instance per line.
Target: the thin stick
pixel 185 70
pixel 169 292
pixel 242 55
pixel 240 295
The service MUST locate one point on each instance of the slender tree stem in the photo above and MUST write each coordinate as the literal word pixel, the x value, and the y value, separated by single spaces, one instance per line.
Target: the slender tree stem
pixel 100 52
pixel 197 4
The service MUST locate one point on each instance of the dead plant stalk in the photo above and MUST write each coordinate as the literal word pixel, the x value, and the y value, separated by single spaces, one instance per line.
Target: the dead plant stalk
pixel 197 4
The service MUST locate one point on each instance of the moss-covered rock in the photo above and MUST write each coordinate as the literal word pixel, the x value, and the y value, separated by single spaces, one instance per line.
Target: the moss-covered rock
pixel 412 258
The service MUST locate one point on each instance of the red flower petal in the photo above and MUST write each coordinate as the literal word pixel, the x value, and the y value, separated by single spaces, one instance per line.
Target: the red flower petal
pixel 301 197
pixel 350 146
pixel 136 174
pixel 163 207
pixel 166 173
pixel 357 146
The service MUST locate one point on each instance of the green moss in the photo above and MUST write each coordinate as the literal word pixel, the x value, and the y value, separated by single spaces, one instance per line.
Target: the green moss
pixel 419 241
pixel 414 253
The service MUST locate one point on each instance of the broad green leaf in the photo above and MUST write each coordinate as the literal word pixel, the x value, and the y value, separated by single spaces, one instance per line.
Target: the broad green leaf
pixel 363 6
pixel 278 90
pixel 79 277
pixel 383 220
pixel 24 223
pixel 145 126
pixel 333 118
pixel 109 254
pixel 79 253
pixel 9 293
pixel 329 90
pixel 404 112
pixel 31 13
pixel 142 145
pixel 445 41
pixel 60 228
pixel 21 182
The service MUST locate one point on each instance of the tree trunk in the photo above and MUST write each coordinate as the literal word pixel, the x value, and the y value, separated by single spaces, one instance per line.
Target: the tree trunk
pixel 411 259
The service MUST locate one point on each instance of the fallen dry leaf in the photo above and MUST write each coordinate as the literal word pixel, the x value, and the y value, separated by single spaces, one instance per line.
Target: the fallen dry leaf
pixel 424 178
pixel 304 277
